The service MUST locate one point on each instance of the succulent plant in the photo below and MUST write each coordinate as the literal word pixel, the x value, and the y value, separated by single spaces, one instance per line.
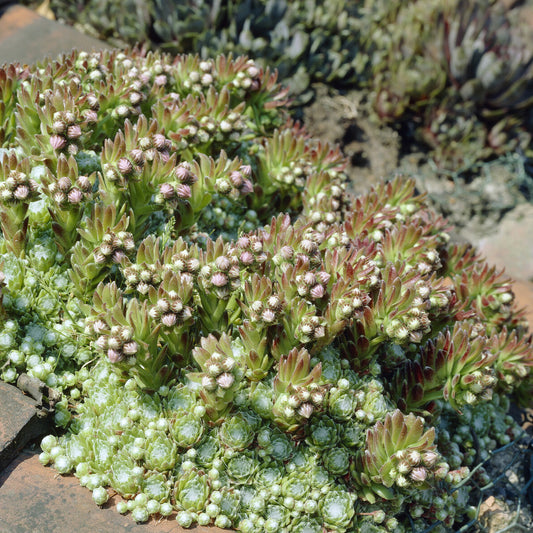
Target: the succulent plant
pixel 305 41
pixel 468 73
pixel 234 338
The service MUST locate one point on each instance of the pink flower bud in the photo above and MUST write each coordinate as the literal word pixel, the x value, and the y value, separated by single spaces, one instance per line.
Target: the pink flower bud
pixel 286 253
pixel 268 316
pixel 418 474
pixel 101 342
pixel 160 80
pixel 246 170
pixel 209 383
pixel 64 184
pixel 84 183
pixel 317 291
pixel 75 196
pixel 69 117
pixel 59 126
pixel 309 278
pixel 323 277
pixel 252 71
pixel 99 326
pixel 246 258
pixel 169 320
pixel 243 242
pixel 130 348
pixel 91 116
pixel 135 98
pixel 166 190
pixel 159 141
pixel 183 191
pixel 225 380
pixel 21 192
pixel 247 187
pixel 306 410
pixel 57 142
pixel 124 165
pixel 223 263
pixel 308 246
pixel 118 256
pixel 114 356
pixel 219 279
pixel 137 156
pixel 74 132
pixel 236 179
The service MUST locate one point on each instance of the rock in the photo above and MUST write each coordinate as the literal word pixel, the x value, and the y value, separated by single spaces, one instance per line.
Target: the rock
pixel 511 247
pixel 26 37
pixel 494 515
pixel 20 422
pixel 35 499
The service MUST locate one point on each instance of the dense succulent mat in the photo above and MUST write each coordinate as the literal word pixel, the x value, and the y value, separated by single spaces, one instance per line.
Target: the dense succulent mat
pixel 237 340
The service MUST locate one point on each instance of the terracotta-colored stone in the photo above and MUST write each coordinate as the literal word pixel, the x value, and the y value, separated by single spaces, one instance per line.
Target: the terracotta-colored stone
pixel 26 37
pixel 523 291
pixel 511 247
pixel 35 499
pixel 20 422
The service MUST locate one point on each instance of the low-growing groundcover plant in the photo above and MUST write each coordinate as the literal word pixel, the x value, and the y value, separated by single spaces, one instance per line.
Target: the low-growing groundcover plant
pixel 455 76
pixel 237 340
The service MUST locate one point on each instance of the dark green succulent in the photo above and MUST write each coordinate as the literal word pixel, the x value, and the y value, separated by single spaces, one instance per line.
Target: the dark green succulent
pixel 306 41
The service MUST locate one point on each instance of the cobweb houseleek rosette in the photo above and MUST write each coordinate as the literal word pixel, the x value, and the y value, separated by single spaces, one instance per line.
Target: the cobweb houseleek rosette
pixel 398 456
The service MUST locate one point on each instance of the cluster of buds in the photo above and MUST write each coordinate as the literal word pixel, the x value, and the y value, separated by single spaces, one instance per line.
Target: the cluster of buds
pixel 220 375
pixel 68 195
pixel 118 344
pixel 293 408
pixel 140 277
pixel 184 263
pixel 515 357
pixel 17 190
pixel 266 312
pixel 296 388
pixel 455 366
pixel 173 192
pixel 147 149
pixel 221 275
pixel 262 304
pixel 67 129
pixel 170 310
pixel 311 328
pixel 351 303
pixel 17 187
pixel 201 78
pixel 294 174
pixel 249 251
pixel 312 285
pixel 114 248
pixel 236 184
pixel 398 452
pixel 218 372
pixel 248 79
pixel 411 326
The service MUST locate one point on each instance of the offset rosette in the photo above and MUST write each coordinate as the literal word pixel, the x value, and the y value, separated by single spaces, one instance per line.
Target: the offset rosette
pixel 398 455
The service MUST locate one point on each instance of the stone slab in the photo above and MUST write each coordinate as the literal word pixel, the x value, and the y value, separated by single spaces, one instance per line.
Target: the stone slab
pixel 35 499
pixel 523 291
pixel 20 422
pixel 511 247
pixel 26 37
